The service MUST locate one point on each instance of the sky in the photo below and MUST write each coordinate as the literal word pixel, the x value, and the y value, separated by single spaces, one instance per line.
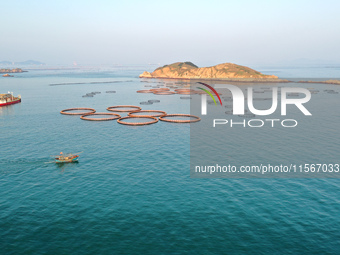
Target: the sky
pixel 161 32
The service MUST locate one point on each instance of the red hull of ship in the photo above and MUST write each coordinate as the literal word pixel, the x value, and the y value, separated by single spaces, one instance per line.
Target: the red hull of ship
pixel 13 102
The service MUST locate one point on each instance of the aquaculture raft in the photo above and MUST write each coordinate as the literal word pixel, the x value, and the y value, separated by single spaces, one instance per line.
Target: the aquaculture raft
pixel 164 118
pixel 67 111
pixel 147 113
pixel 153 120
pixel 164 92
pixel 116 108
pixel 88 116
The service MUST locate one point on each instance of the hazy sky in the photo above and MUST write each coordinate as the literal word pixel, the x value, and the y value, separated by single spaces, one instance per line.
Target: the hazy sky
pixel 140 32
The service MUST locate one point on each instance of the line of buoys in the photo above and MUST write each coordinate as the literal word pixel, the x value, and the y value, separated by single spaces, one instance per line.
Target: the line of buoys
pixel 153 121
pixel 117 108
pixel 164 118
pixel 147 113
pixel 67 111
pixel 88 116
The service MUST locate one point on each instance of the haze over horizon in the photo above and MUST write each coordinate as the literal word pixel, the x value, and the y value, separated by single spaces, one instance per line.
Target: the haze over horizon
pixel 135 32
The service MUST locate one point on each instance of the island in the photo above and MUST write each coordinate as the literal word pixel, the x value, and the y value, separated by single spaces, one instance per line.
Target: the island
pixel 225 72
pixel 15 70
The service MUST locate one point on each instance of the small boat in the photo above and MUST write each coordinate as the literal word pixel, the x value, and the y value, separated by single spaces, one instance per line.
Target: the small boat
pixel 66 158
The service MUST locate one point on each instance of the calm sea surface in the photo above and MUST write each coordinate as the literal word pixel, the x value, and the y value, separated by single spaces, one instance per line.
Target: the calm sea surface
pixel 131 192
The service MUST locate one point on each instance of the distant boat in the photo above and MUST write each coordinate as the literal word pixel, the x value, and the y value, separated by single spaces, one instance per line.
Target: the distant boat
pixel 7 75
pixel 66 158
pixel 8 99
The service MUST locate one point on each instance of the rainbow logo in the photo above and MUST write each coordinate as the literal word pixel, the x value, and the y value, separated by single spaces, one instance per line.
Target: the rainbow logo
pixel 208 92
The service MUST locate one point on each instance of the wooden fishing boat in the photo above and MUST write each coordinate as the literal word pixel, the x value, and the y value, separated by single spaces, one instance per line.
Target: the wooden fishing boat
pixel 66 158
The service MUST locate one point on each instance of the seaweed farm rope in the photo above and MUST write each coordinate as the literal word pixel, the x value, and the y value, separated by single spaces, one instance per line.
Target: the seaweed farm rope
pixel 67 111
pixel 116 108
pixel 165 118
pixel 153 120
pixel 88 116
pixel 147 113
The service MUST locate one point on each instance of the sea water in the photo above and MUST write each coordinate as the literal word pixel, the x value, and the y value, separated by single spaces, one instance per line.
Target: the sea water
pixel 131 192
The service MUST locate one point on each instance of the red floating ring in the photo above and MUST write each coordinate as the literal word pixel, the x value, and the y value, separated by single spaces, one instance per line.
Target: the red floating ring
pixel 114 108
pixel 160 89
pixel 154 120
pixel 164 92
pixel 159 113
pixel 144 91
pixel 163 118
pixel 183 90
pixel 66 111
pixel 186 92
pixel 87 116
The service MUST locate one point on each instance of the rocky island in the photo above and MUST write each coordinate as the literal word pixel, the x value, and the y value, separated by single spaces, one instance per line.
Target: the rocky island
pixel 225 72
pixel 15 70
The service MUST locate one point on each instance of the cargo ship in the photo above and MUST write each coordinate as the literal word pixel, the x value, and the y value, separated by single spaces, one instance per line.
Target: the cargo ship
pixel 8 99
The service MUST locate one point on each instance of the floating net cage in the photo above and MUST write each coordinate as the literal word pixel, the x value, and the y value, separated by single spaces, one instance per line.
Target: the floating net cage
pixel 180 118
pixel 146 103
pixel 111 91
pixel 123 108
pixel 137 121
pixel 164 92
pixel 147 113
pixel 78 111
pixel 185 97
pixel 94 116
pixel 247 115
pixel 144 91
pixel 154 101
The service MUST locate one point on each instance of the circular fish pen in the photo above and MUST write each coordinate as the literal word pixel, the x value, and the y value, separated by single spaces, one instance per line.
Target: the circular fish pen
pixel 160 89
pixel 120 108
pixel 123 122
pixel 147 113
pixel 88 116
pixel 193 118
pixel 164 92
pixel 144 91
pixel 67 111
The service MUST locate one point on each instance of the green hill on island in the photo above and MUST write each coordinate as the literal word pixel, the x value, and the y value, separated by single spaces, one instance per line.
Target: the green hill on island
pixel 226 71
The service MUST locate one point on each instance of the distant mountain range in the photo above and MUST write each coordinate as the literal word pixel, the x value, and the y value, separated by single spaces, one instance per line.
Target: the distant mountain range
pixel 23 63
